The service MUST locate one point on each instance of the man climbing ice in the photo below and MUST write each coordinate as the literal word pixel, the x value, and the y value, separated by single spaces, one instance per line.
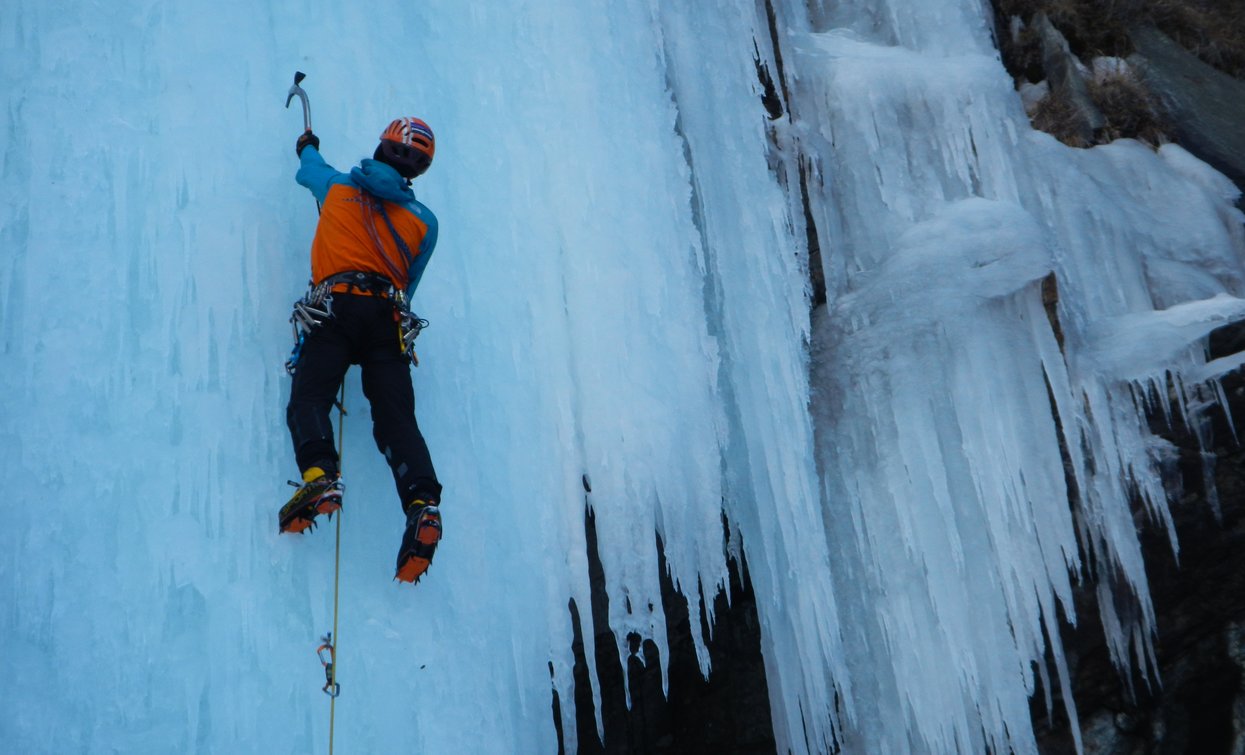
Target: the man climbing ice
pixel 370 249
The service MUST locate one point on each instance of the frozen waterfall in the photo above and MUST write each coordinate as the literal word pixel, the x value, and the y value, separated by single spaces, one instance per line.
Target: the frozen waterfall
pixel 621 290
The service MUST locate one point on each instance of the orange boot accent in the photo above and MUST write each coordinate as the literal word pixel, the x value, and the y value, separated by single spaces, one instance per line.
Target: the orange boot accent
pixel 416 554
pixel 322 495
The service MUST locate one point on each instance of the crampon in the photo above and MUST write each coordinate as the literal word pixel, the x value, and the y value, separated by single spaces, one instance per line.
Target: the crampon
pixel 322 495
pixel 419 543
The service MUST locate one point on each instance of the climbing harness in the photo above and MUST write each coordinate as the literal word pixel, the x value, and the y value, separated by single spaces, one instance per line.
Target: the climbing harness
pixel 316 307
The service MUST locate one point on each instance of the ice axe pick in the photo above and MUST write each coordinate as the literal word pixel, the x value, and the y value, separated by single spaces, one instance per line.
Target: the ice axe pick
pixel 297 90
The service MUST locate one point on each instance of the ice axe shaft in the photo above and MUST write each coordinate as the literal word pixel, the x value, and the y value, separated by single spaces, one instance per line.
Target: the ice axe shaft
pixel 297 90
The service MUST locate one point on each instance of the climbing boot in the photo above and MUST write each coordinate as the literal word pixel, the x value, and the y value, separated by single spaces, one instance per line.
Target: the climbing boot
pixel 419 542
pixel 321 494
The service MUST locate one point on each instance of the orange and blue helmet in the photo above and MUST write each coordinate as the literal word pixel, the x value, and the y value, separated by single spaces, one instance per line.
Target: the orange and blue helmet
pixel 408 146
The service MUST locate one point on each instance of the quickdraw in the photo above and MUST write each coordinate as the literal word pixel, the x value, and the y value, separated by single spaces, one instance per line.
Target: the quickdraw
pixel 310 312
pixel 410 326
pixel 331 687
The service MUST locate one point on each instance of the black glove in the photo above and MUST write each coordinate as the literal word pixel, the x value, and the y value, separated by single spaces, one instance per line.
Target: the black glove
pixel 306 139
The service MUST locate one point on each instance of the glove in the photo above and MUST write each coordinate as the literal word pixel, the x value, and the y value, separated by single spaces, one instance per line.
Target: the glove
pixel 306 139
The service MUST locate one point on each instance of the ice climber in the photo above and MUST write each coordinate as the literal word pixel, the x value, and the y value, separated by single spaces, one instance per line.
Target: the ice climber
pixel 370 249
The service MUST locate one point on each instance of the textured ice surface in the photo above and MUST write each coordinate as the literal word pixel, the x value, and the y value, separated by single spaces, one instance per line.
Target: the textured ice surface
pixel 620 290
pixel 936 370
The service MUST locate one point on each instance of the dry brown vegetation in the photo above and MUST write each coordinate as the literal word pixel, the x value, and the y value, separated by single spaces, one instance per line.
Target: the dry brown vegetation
pixel 1130 110
pixel 1058 117
pixel 1214 30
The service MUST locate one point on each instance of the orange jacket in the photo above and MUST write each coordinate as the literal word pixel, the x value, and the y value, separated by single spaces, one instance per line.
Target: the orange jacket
pixel 370 221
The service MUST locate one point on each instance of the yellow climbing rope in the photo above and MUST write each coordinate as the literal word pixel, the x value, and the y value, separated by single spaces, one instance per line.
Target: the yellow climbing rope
pixel 331 686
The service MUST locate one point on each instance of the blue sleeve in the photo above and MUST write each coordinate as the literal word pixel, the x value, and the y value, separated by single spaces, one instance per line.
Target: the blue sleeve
pixel 315 173
pixel 425 249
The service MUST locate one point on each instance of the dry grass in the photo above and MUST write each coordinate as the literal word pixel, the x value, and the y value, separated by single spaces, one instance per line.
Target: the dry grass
pixel 1092 27
pixel 1214 30
pixel 1058 117
pixel 1130 110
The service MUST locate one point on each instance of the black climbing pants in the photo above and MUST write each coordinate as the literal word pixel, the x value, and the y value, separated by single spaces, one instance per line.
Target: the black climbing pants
pixel 361 331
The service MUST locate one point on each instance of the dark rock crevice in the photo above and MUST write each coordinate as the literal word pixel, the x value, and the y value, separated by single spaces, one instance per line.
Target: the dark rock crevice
pixel 1197 702
pixel 728 712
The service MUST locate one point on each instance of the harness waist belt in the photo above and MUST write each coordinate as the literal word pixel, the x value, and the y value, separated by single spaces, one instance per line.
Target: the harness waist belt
pixel 359 282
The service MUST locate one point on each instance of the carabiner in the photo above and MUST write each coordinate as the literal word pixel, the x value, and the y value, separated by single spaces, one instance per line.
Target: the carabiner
pixel 331 687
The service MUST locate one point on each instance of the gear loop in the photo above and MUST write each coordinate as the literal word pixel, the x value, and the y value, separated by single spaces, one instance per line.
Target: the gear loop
pixel 308 313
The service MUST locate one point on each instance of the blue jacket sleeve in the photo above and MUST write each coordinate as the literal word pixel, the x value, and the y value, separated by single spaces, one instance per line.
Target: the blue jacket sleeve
pixel 315 173
pixel 425 249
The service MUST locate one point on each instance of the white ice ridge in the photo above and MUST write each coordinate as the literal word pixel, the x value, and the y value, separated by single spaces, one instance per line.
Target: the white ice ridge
pixel 1141 345
pixel 973 250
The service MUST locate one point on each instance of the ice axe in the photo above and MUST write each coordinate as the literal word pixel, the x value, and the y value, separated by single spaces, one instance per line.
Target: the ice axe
pixel 297 90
